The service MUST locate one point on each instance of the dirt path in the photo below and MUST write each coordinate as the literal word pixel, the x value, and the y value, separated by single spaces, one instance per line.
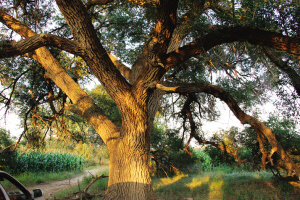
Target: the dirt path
pixel 56 186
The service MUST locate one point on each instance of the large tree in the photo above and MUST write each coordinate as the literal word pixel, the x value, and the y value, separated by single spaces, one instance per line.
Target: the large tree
pixel 164 39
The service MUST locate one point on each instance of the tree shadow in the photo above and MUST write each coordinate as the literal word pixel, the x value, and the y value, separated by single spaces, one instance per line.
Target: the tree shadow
pixel 222 186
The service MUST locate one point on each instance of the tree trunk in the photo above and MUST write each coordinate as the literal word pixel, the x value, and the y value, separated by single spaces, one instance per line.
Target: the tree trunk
pixel 129 176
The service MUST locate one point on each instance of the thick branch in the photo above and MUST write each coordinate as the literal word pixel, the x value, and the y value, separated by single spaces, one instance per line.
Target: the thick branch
pixel 125 71
pixel 92 3
pixel 96 57
pixel 185 24
pixel 231 34
pixel 27 45
pixel 156 49
pixel 82 102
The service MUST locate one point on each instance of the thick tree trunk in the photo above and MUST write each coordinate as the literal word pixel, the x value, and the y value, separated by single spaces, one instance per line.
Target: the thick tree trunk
pixel 129 176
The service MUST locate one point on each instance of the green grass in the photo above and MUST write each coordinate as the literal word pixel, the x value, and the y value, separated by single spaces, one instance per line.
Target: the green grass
pixel 224 184
pixel 30 178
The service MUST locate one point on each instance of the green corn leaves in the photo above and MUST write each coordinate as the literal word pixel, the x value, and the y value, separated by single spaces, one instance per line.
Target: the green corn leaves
pixel 36 161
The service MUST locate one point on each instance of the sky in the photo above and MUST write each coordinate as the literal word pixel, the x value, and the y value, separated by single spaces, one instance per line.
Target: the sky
pixel 225 121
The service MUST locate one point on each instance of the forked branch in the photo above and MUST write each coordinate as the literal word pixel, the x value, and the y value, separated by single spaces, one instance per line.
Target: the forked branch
pixel 27 45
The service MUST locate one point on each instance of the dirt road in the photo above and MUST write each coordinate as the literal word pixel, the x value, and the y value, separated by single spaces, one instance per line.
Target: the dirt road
pixel 55 186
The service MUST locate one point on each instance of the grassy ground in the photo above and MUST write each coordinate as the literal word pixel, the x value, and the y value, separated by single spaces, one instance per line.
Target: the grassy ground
pixel 98 187
pixel 221 183
pixel 30 178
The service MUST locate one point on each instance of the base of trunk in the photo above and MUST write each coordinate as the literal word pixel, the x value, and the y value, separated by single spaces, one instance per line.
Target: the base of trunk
pixel 130 191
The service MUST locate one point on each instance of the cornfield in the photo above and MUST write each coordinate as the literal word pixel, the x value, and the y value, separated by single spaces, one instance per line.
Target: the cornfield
pixel 47 162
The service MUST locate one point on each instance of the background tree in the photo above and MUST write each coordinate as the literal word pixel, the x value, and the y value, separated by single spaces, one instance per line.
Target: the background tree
pixel 172 46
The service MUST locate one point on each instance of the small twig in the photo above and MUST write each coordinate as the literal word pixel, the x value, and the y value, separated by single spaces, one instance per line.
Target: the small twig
pixel 94 180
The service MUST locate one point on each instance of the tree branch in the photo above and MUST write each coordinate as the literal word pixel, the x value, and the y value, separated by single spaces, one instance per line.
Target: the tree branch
pixel 230 34
pixel 125 71
pixel 27 45
pixel 96 56
pixel 292 74
pixel 82 102
pixel 92 3
pixel 154 54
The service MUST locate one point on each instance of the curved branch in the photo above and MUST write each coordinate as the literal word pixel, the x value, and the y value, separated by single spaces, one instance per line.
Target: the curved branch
pixel 259 127
pixel 230 34
pixel 226 149
pixel 27 45
pixel 186 22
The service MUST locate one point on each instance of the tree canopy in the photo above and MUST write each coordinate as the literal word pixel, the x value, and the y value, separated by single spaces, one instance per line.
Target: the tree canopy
pixel 142 52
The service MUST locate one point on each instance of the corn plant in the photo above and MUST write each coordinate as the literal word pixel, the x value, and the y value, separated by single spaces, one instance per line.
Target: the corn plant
pixel 47 162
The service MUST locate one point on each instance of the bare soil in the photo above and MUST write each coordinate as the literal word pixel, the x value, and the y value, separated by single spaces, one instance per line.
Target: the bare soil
pixel 53 187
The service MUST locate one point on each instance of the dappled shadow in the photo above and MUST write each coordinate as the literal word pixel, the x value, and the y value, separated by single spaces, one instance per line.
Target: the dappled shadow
pixel 217 185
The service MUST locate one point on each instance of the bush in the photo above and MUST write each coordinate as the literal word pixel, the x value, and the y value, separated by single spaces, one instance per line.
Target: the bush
pixel 204 160
pixel 168 156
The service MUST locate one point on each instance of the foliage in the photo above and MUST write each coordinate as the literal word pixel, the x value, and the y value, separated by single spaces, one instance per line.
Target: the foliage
pixel 91 152
pixel 247 146
pixel 7 156
pixel 167 151
pixel 204 161
pixel 105 102
pixel 242 74
pixel 36 161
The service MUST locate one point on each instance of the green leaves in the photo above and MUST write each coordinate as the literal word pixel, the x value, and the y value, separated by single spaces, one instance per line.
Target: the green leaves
pixel 105 102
